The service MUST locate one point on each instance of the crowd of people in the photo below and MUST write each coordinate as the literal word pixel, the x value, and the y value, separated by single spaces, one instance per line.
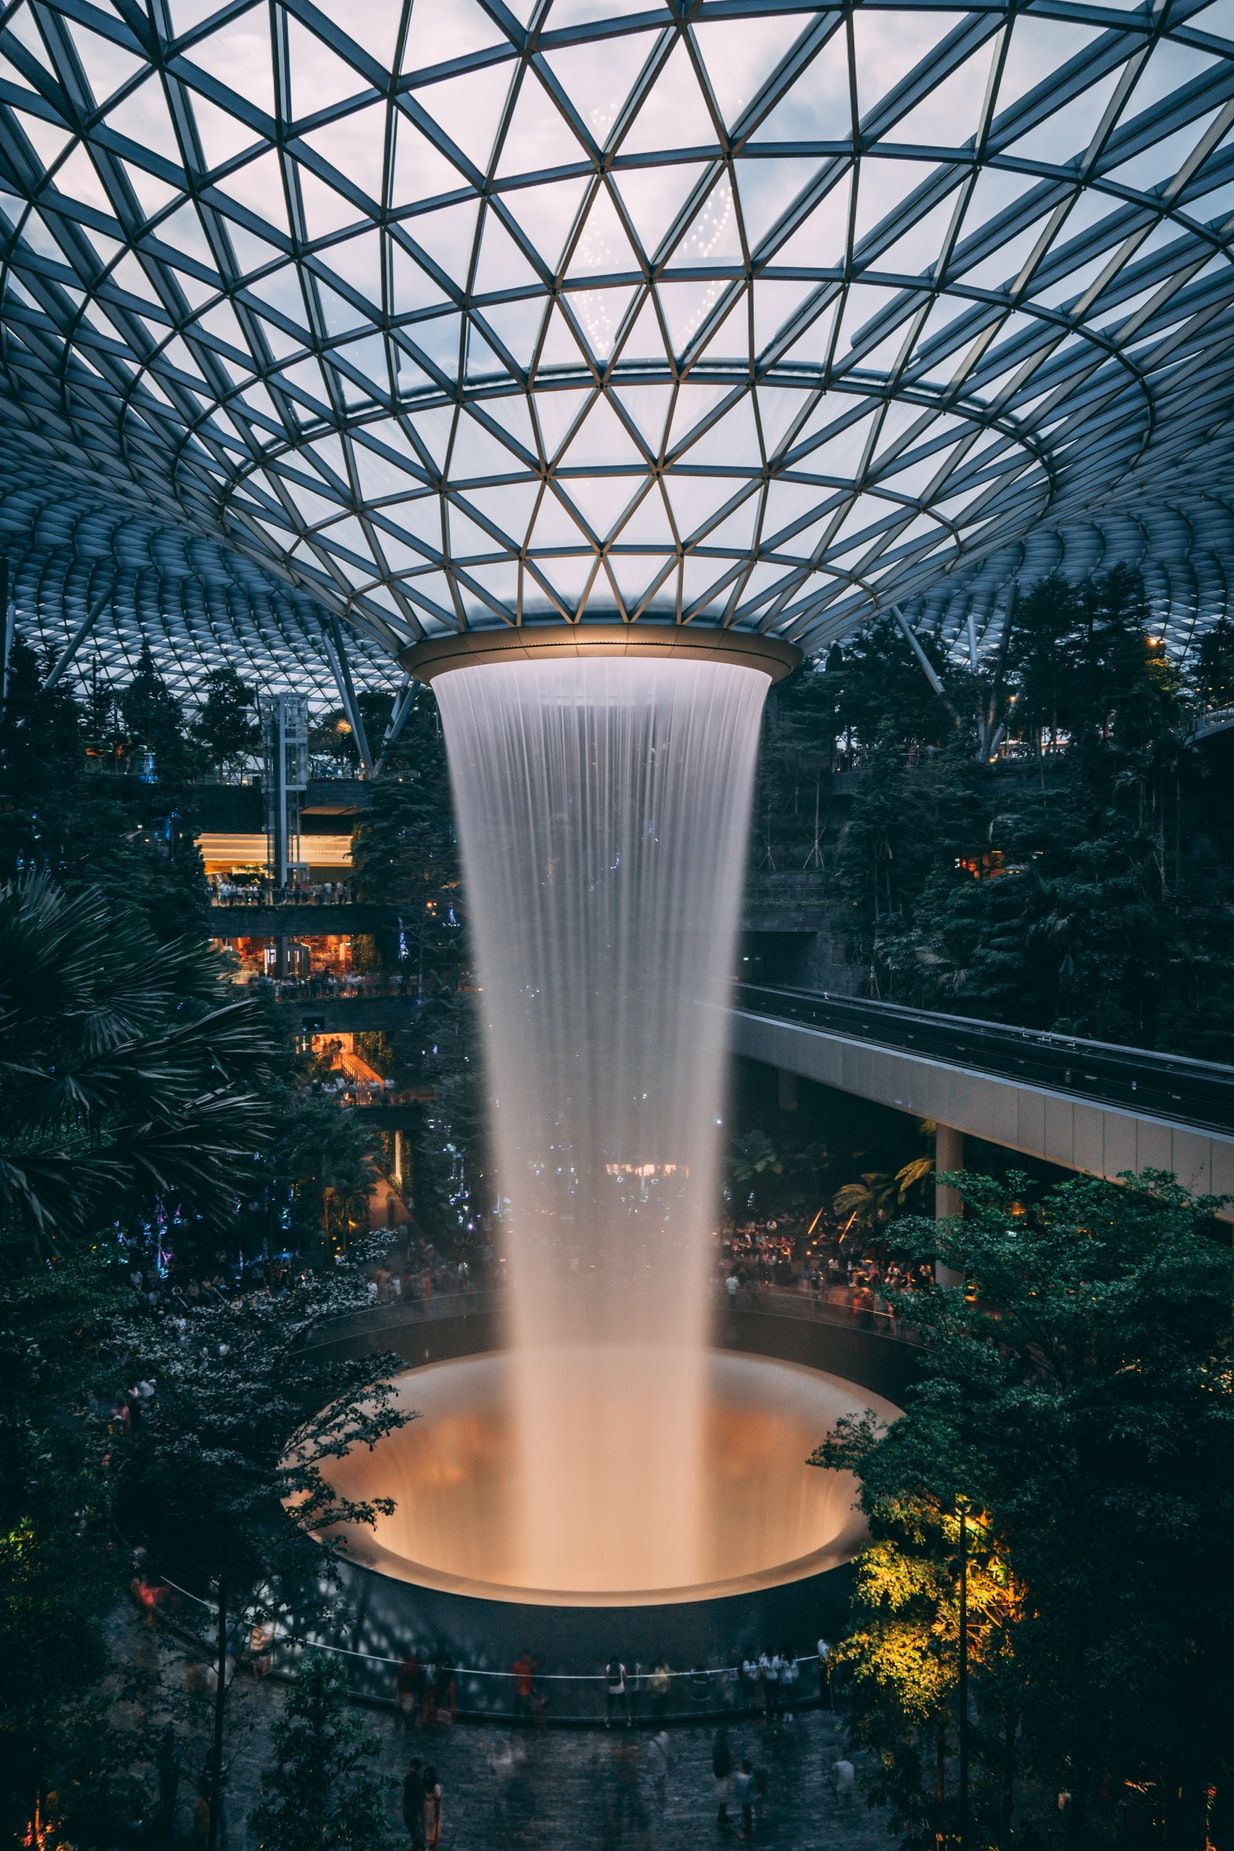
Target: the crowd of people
pixel 825 1268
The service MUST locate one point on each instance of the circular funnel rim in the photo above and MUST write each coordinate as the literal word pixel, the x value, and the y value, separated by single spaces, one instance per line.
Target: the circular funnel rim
pixel 538 642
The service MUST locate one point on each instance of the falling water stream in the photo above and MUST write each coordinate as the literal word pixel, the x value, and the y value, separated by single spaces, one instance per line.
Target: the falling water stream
pixel 603 808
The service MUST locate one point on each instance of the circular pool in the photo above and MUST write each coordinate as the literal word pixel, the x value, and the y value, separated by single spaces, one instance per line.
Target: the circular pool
pixel 767 1518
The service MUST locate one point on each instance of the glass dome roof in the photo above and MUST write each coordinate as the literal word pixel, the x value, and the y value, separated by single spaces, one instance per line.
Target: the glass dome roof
pixel 472 312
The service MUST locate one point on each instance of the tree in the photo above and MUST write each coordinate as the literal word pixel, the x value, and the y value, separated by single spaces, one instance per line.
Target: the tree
pixel 320 1791
pixel 1079 1396
pixel 225 726
pixel 64 1757
pixel 124 1075
pixel 228 1473
pixel 752 1158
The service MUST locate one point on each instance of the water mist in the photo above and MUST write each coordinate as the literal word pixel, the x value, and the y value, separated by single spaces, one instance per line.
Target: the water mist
pixel 603 808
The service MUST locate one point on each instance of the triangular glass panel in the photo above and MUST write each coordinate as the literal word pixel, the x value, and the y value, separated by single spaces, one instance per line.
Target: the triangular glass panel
pixel 889 43
pixel 713 236
pixel 373 25
pixel 554 525
pixel 653 197
pixel 686 307
pixel 421 170
pixel 555 412
pixel 816 105
pixel 645 523
pixel 767 187
pixel 469 108
pixel 779 409
pixel 603 249
pixel 502 266
pixel 153 196
pixel 599 313
pixel 648 408
pixel 412 288
pixel 696 498
pixel 951 113
pixel 740 56
pixel 1040 47
pixel 448 235
pixel 325 209
pixel 319 77
pixel 1157 165
pixel 439 34
pixel 813 346
pixel 477 452
pixel 600 500
pixel 601 440
pixel 560 346
pixel 517 325
pixel 674 114
pixel 356 147
pixel 357 261
pixel 432 428
pixel 508 505
pixel 546 215
pixel 820 241
pixel 839 453
pixel 1065 135
pixel 734 438
pixel 258 185
pixel 539 138
pixel 775 304
pixel 142 116
pixel 222 136
pixel 440 340
pixel 645 340
pixel 735 532
pixel 237 54
pixel 788 502
pixel 106 64
pixel 466 538
pixel 598 86
pixel 920 247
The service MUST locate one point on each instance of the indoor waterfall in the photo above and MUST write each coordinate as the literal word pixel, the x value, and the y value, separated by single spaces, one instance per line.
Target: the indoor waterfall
pixel 603 808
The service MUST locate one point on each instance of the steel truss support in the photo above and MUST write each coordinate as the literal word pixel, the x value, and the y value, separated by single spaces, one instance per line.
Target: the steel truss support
pixel 65 659
pixel 337 653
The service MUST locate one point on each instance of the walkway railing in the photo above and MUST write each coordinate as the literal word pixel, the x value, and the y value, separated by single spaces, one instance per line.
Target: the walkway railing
pixel 777 1301
pixel 484 1693
pixel 1191 1092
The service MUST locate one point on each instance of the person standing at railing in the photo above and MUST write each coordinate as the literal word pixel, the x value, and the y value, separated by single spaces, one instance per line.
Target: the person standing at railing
pixel 616 1694
pixel 524 1674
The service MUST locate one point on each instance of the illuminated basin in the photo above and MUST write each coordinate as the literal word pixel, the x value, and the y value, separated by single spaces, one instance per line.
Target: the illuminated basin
pixel 768 1520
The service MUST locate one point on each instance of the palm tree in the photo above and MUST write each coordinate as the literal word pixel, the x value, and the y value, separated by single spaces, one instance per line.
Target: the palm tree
pixel 860 1205
pixel 123 1077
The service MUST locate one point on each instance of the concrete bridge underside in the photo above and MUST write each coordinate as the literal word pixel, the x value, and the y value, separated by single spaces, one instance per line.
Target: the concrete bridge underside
pixel 1073 1132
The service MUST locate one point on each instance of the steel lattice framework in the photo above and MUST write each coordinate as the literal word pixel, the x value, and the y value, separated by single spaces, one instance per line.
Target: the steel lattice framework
pixel 475 312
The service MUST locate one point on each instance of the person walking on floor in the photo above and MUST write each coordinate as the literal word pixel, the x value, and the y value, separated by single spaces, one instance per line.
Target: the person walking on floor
pixel 413 1804
pixel 722 1770
pixel 743 1798
pixel 432 1810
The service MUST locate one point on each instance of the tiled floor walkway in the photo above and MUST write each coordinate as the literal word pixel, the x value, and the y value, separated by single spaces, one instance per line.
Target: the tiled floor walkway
pixel 577 1791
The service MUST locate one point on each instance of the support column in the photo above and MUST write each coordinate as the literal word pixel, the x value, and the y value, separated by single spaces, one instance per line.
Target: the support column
pixel 948 1155
pixel 786 1089
pixel 398 1161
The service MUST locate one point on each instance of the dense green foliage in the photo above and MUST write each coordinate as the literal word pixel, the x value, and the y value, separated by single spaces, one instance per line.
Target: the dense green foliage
pixel 320 1792
pixel 405 855
pixel 123 1078
pixel 1084 886
pixel 1076 1405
